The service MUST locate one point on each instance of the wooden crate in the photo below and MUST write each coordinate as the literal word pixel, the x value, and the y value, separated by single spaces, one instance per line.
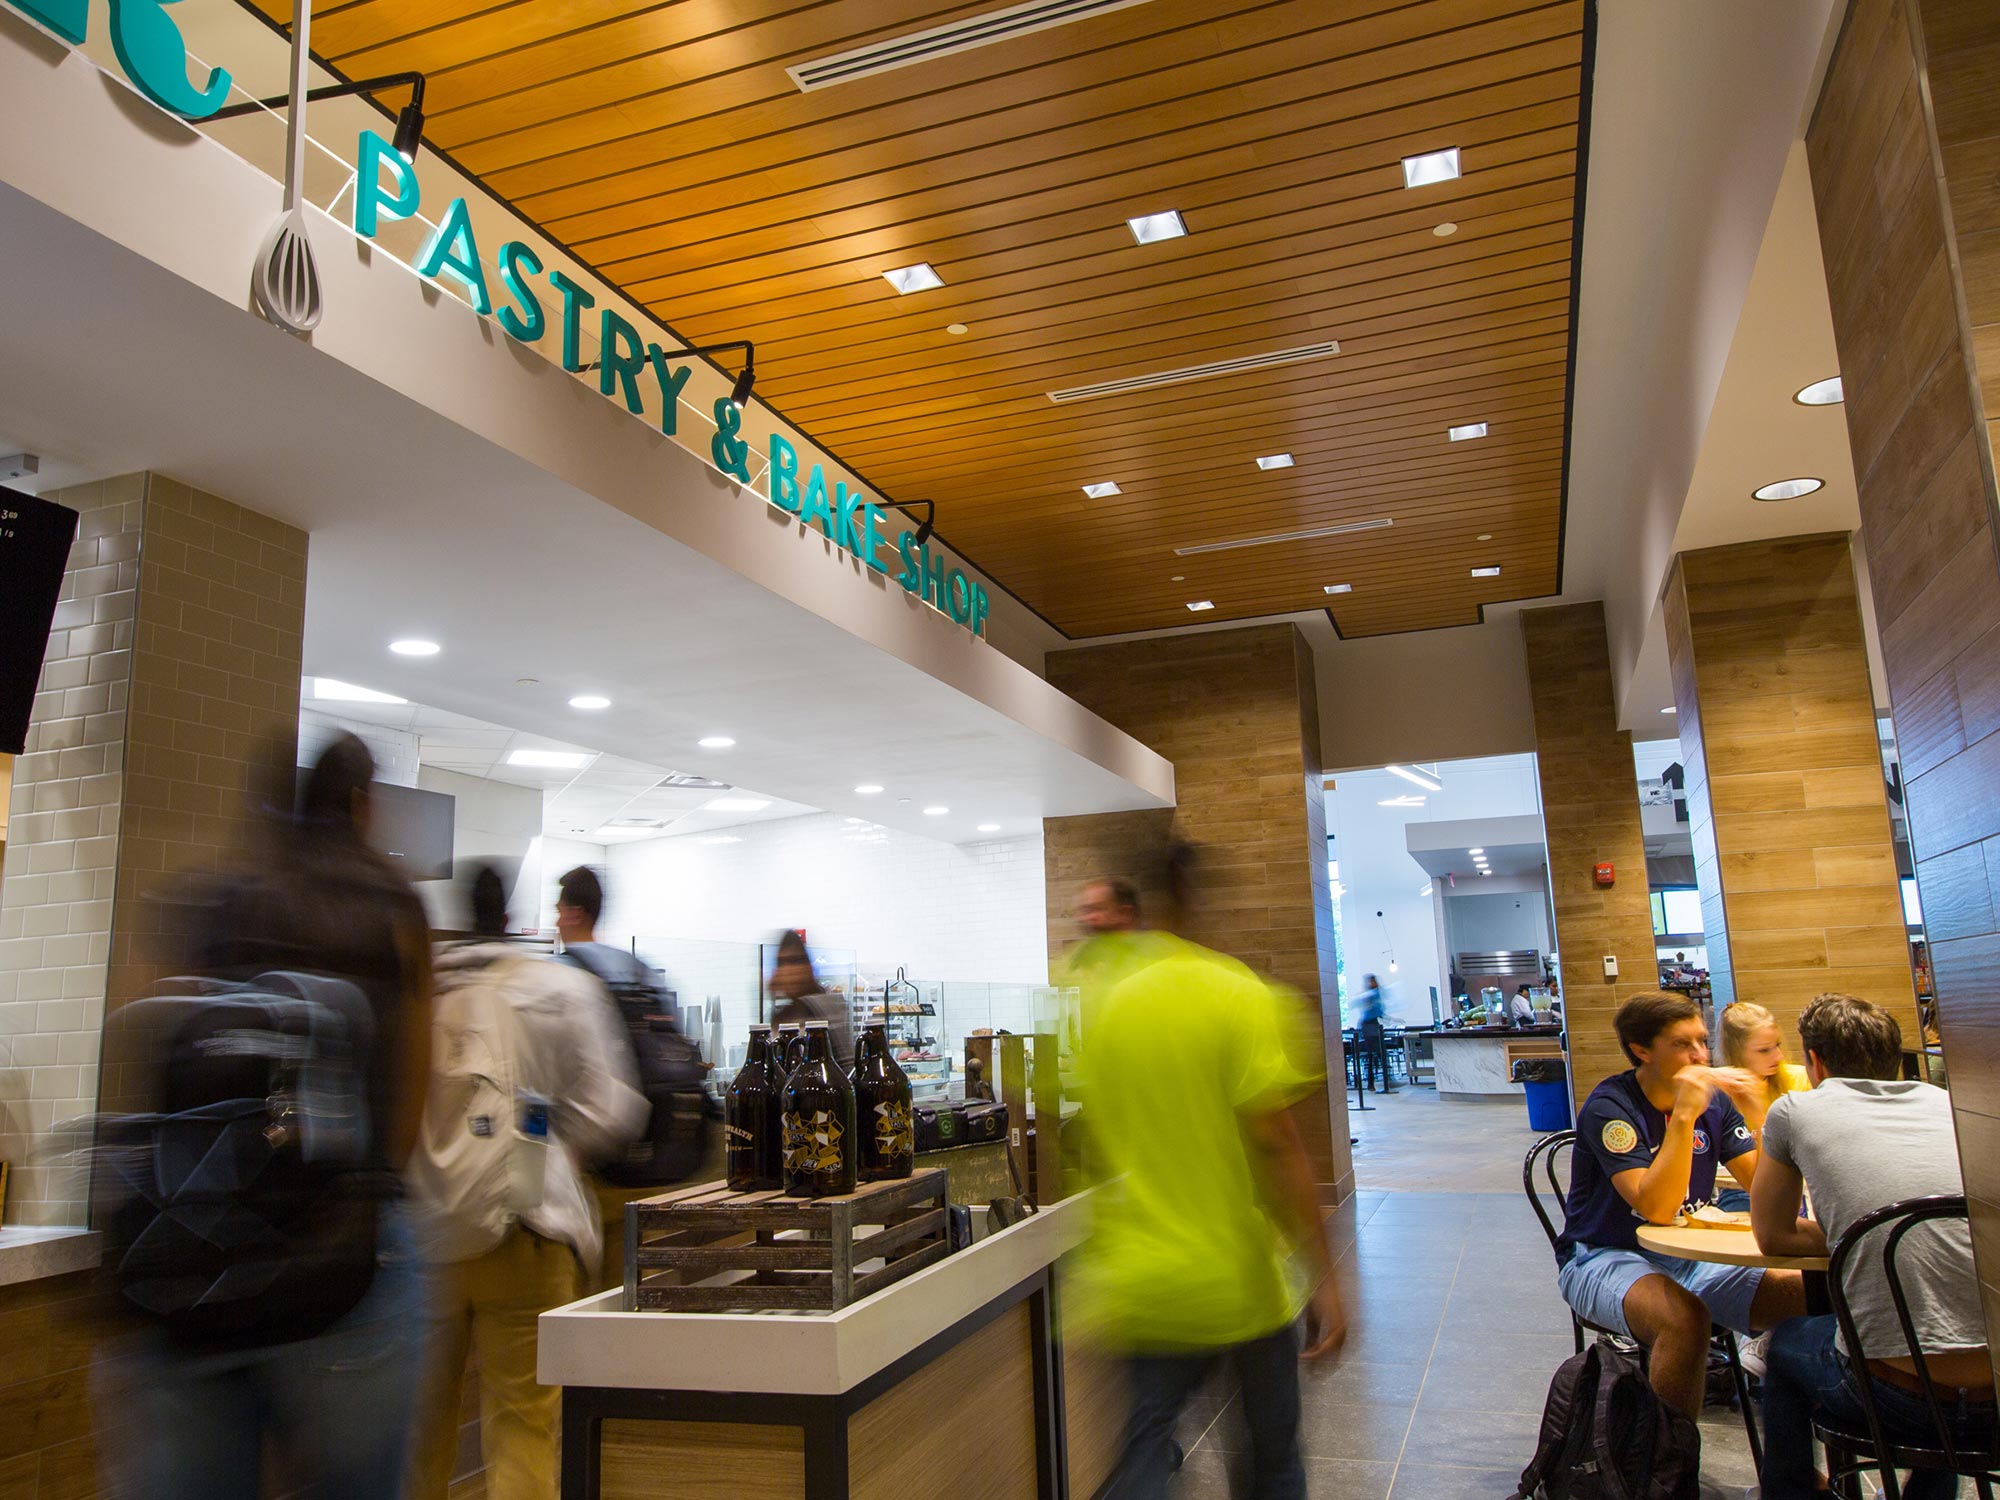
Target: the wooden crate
pixel 707 1249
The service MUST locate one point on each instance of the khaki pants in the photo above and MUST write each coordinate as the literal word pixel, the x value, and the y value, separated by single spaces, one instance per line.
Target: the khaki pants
pixel 489 1304
pixel 611 1203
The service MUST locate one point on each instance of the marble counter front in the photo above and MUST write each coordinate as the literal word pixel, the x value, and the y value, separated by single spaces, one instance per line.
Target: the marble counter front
pixel 1478 1063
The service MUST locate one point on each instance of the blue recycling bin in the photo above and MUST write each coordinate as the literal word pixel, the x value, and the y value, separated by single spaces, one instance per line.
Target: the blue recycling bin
pixel 1545 1080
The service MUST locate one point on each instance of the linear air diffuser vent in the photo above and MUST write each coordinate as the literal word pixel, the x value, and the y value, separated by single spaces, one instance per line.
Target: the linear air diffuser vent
pixel 1240 366
pixel 680 781
pixel 1345 529
pixel 941 41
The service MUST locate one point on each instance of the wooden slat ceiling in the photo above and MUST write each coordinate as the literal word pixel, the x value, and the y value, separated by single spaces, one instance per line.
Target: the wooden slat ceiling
pixel 666 144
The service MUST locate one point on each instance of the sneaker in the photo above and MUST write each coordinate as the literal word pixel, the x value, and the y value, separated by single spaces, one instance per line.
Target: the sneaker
pixel 1751 1352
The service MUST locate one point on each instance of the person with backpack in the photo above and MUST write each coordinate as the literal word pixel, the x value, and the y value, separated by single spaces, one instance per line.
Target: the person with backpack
pixel 530 1079
pixel 673 1145
pixel 1648 1141
pixel 254 1212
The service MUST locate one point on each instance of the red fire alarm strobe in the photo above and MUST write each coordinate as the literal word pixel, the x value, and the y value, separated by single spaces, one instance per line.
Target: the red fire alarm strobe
pixel 1604 874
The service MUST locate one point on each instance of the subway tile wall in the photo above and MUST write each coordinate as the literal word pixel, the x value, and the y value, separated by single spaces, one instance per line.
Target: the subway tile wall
pixel 61 865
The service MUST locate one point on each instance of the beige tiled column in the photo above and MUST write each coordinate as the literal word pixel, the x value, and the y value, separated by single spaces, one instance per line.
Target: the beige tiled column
pixel 172 671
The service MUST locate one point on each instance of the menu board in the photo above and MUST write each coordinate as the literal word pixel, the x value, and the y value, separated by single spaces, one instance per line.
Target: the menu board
pixel 35 538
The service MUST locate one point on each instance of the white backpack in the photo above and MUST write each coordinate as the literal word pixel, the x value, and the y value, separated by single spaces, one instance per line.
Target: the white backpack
pixel 482 1153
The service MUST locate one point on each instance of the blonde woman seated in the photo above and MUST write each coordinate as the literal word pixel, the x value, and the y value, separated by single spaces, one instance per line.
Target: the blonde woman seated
pixel 1753 1046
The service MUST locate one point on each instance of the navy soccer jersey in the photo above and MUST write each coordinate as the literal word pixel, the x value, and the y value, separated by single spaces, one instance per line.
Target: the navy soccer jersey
pixel 1617 1130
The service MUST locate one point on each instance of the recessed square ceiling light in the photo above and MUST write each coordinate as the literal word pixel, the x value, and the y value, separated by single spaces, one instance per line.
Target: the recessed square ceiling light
pixel 590 701
pixel 1275 461
pixel 867 789
pixel 936 812
pixel 1486 572
pixel 989 827
pixel 1099 491
pixel 736 804
pixel 1147 229
pixel 715 742
pixel 550 760
pixel 1340 588
pixel 1470 430
pixel 1201 604
pixel 414 648
pixel 917 278
pixel 1432 166
pixel 333 690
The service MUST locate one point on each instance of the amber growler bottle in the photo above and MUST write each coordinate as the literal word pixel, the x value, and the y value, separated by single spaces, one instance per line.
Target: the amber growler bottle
pixel 882 1110
pixel 819 1123
pixel 777 1073
pixel 750 1121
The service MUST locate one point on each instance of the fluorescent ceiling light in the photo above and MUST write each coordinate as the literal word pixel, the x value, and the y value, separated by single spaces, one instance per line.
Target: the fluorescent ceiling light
pixel 1100 491
pixel 1475 851
pixel 1469 430
pixel 715 742
pixel 1493 572
pixel 1201 604
pixel 1148 229
pixel 1423 779
pixel 1670 709
pixel 414 648
pixel 867 789
pixel 333 690
pixel 550 760
pixel 736 804
pixel 590 701
pixel 1345 529
pixel 1432 166
pixel 1408 799
pixel 936 812
pixel 983 29
pixel 1275 461
pixel 1425 892
pixel 917 278
pixel 989 827
pixel 1340 588
pixel 1788 489
pixel 1486 872
pixel 1826 392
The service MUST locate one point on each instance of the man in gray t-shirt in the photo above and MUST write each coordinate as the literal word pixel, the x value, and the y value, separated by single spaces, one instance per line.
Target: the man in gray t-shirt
pixel 1860 1140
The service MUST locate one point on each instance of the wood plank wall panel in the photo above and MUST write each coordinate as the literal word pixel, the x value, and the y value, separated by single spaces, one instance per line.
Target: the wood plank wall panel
pixel 702 1461
pixel 1786 798
pixel 666 145
pixel 1236 711
pixel 1905 188
pixel 1590 815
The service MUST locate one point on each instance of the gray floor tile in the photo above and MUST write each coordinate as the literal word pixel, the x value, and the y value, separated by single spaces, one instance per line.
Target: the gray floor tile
pixel 1369 1431
pixel 1540 1352
pixel 1473 1437
pixel 1352 1380
pixel 1390 1344
pixel 1206 1476
pixel 1452 1386
pixel 1441 1482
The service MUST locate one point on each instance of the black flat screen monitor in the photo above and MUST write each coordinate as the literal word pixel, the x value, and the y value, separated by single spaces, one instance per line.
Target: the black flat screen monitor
pixel 413 827
pixel 35 538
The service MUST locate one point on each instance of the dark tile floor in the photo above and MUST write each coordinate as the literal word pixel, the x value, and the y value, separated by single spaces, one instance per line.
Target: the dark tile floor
pixel 1456 1329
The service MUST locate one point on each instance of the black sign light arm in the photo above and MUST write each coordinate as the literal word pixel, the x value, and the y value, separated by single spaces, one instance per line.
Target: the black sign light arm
pixel 409 122
pixel 739 394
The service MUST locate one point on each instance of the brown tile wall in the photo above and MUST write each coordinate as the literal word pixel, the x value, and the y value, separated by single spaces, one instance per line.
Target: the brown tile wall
pixel 1906 211
pixel 1786 798
pixel 1237 713
pixel 1590 815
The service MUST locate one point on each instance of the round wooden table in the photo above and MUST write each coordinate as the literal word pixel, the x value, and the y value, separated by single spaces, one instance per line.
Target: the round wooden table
pixel 1723 1247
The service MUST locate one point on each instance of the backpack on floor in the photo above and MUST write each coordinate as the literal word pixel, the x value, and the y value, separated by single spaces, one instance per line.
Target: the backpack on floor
pixel 1607 1436
pixel 672 1077
pixel 240 1213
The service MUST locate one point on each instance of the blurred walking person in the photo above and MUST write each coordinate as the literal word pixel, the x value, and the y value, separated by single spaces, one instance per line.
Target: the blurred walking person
pixel 1209 1242
pixel 530 1081
pixel 280 1281
pixel 797 997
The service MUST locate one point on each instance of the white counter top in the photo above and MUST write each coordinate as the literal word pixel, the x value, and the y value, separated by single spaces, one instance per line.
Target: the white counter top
pixel 31 1253
pixel 594 1342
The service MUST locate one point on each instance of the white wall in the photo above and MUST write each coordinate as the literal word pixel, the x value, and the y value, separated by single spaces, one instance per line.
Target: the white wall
pixel 1506 920
pixel 948 911
pixel 1377 873
pixel 395 750
pixel 492 820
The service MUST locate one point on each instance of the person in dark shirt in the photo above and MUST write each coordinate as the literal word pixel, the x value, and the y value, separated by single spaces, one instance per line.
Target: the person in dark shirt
pixel 1647 1145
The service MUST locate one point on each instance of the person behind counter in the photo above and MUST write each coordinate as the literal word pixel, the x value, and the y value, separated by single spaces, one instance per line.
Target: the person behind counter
pixel 1521 1009
pixel 797 997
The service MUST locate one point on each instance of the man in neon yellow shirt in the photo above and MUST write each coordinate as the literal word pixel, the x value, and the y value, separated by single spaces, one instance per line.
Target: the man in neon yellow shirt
pixel 1209 1239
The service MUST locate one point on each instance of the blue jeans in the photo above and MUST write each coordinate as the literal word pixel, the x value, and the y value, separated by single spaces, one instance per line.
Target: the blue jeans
pixel 1804 1371
pixel 1267 1372
pixel 336 1407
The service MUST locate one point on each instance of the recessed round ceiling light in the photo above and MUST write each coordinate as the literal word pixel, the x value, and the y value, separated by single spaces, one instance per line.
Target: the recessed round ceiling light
pixel 1475 851
pixel 414 648
pixel 527 682
pixel 1484 536
pixel 589 700
pixel 867 789
pixel 1788 489
pixel 936 812
pixel 1826 392
pixel 955 329
pixel 989 827
pixel 1178 578
pixel 1445 231
pixel 715 742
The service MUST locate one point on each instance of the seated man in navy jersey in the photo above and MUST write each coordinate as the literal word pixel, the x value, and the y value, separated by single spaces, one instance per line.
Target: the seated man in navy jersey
pixel 1647 1145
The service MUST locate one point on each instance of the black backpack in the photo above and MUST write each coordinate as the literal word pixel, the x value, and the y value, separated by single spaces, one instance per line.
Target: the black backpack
pixel 672 1077
pixel 241 1213
pixel 1607 1436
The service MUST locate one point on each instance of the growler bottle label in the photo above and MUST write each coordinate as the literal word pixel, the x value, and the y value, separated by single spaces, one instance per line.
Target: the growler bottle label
pixel 815 1144
pixel 895 1130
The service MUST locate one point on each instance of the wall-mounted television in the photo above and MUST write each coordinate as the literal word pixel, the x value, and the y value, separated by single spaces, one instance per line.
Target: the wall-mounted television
pixel 35 538
pixel 412 826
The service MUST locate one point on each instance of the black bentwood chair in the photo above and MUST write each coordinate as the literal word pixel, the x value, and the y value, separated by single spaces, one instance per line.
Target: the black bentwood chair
pixel 1546 1154
pixel 1851 1451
